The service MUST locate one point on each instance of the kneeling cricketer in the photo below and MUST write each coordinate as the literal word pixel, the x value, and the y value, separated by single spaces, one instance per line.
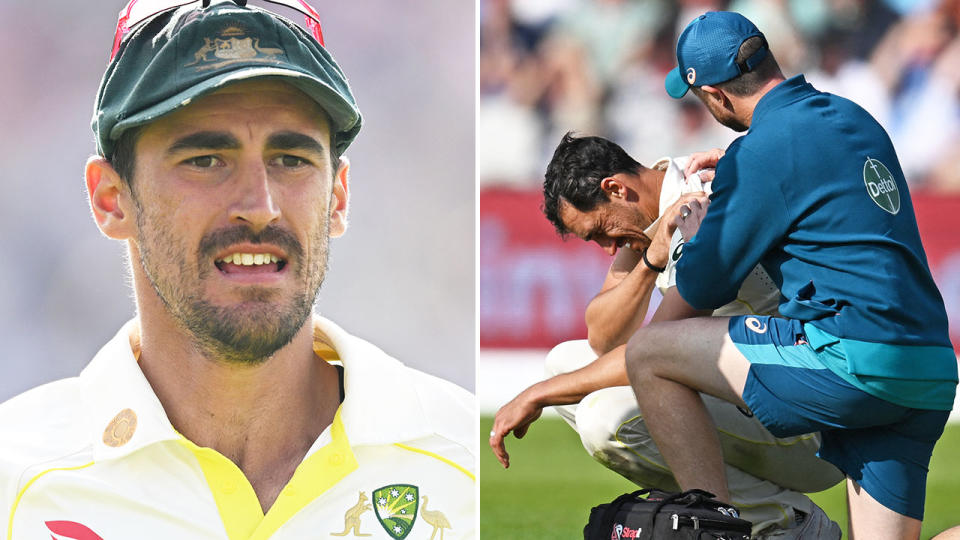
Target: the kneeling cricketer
pixel 594 190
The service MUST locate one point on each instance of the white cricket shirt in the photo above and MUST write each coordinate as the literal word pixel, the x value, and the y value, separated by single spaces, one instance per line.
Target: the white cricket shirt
pixel 758 295
pixel 95 457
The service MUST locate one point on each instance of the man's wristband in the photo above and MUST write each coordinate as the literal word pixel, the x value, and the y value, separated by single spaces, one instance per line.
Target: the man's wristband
pixel 657 269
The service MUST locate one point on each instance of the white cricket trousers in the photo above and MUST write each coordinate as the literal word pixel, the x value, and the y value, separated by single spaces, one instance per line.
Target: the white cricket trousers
pixel 767 476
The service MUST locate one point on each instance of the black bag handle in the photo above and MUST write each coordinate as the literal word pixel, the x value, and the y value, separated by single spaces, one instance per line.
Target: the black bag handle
pixel 699 495
pixel 610 512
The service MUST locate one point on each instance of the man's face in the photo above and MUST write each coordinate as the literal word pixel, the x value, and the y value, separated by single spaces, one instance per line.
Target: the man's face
pixel 234 195
pixel 612 224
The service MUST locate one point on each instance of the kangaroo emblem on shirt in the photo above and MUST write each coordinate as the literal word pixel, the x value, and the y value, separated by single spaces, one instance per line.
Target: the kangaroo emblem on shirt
pixel 351 519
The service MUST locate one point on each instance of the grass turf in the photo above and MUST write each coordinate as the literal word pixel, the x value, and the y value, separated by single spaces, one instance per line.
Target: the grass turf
pixel 552 484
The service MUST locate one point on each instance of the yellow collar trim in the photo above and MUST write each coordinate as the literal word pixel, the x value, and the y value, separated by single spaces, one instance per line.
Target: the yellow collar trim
pixel 16 501
pixel 436 456
pixel 237 503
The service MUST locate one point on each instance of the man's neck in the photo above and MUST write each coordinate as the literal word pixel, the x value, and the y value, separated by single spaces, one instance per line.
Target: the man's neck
pixel 263 417
pixel 748 103
pixel 652 179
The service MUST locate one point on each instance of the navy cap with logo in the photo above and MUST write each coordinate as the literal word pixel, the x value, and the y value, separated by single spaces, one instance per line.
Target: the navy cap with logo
pixel 707 51
pixel 184 53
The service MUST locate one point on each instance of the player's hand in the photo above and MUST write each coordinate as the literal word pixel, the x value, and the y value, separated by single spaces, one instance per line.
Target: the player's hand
pixel 659 250
pixel 703 160
pixel 515 416
pixel 690 215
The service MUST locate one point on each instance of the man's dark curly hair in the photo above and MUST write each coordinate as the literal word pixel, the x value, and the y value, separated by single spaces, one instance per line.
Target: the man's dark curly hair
pixel 574 174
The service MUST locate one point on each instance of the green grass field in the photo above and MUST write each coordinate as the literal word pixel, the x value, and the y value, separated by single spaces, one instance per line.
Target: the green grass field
pixel 552 484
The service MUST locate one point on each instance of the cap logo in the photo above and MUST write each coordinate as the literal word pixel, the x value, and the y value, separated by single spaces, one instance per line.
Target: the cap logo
pixel 691 75
pixel 230 47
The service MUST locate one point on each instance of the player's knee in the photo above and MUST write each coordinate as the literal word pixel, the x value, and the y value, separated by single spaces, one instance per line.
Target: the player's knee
pixel 602 414
pixel 617 437
pixel 568 356
pixel 596 426
pixel 639 360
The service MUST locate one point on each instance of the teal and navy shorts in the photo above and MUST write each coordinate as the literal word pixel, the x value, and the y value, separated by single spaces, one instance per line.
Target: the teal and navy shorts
pixel 883 446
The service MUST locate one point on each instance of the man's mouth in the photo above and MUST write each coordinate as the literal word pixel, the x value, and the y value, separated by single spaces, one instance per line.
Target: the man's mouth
pixel 250 263
pixel 247 257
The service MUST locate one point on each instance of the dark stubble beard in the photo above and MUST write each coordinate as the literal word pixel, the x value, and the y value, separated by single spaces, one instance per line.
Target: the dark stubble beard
pixel 723 116
pixel 244 334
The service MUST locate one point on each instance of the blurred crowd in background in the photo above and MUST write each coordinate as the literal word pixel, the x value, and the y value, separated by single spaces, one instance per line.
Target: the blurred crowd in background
pixel 597 67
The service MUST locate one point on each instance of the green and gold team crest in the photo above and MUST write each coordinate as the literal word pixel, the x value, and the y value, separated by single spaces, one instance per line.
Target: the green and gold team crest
pixel 881 185
pixel 396 508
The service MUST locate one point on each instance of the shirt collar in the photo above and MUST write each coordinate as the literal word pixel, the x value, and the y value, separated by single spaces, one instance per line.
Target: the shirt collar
pixel 670 189
pixel 381 404
pixel 125 414
pixel 789 91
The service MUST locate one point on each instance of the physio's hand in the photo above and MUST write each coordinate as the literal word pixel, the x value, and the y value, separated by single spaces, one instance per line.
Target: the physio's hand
pixel 703 160
pixel 706 175
pixel 515 416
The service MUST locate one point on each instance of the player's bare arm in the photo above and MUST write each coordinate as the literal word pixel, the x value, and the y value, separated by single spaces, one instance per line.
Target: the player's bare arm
pixel 609 369
pixel 517 415
pixel 620 307
pixel 606 371
pixel 626 290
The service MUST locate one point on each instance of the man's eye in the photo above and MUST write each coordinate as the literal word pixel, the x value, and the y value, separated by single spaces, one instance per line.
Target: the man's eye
pixel 291 161
pixel 204 162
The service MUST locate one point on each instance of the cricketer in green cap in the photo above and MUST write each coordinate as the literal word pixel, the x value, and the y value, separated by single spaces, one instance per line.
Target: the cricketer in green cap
pixel 220 128
pixel 199 106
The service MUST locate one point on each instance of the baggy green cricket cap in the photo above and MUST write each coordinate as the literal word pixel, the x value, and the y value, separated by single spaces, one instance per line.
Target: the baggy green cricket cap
pixel 188 52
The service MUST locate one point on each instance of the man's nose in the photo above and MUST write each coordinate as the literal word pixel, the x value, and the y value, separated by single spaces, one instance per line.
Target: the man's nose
pixel 255 205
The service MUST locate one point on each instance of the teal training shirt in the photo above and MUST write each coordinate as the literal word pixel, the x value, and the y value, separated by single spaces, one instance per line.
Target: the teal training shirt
pixel 814 192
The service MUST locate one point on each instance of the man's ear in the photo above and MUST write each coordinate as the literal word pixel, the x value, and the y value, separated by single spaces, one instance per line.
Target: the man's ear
pixel 614 187
pixel 339 202
pixel 716 95
pixel 109 198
